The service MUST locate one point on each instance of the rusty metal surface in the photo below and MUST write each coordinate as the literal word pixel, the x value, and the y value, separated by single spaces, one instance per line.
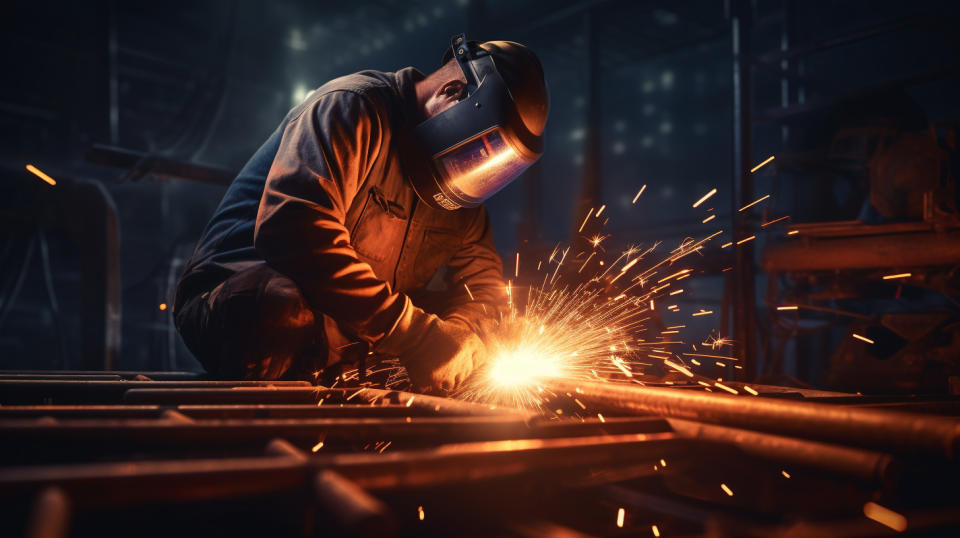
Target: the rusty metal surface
pixel 367 462
pixel 866 427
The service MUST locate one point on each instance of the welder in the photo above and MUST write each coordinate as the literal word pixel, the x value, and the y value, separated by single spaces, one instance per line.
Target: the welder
pixel 357 229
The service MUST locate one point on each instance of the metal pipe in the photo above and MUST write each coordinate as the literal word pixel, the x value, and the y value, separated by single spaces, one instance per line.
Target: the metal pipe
pixel 355 510
pixel 17 435
pixel 863 464
pixel 105 484
pixel 870 428
pixel 871 252
pixel 51 515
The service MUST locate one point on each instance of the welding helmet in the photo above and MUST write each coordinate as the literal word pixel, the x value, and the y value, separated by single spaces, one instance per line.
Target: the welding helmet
pixel 478 146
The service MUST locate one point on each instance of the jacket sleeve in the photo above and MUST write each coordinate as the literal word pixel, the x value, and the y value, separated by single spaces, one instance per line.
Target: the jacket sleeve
pixel 324 156
pixel 477 267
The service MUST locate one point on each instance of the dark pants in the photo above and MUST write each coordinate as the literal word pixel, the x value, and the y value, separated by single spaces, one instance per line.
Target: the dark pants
pixel 254 325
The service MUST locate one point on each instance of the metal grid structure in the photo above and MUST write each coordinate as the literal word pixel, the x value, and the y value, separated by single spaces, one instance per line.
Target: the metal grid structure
pixel 100 453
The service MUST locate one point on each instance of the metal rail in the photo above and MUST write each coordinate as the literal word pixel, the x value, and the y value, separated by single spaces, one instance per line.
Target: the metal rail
pixel 870 428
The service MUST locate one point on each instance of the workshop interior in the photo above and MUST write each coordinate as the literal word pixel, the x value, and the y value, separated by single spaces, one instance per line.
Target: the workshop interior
pixel 726 268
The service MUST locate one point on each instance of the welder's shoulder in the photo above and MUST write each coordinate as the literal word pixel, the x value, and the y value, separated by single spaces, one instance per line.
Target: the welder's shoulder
pixel 368 89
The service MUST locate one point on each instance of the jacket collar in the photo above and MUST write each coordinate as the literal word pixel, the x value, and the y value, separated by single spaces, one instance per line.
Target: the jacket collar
pixel 406 78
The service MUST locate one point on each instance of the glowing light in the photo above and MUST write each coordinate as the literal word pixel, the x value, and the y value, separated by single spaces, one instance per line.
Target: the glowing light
pixel 753 203
pixel 726 489
pixel 705 197
pixel 885 516
pixel 898 275
pixel 863 338
pixel 420 513
pixel 731 390
pixel 589 213
pixel 678 368
pixel 40 174
pixel 621 513
pixel 162 306
pixel 635 198
pixel 774 221
pixel 761 165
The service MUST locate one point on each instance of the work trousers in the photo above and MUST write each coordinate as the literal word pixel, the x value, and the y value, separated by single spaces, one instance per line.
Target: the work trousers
pixel 254 325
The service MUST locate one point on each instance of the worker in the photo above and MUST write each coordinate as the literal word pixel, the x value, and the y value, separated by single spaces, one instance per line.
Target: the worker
pixel 358 228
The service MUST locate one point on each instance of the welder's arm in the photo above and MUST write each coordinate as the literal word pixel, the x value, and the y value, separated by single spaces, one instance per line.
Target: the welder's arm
pixel 324 155
pixel 476 266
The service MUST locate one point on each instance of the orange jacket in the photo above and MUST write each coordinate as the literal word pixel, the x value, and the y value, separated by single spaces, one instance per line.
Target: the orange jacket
pixel 336 214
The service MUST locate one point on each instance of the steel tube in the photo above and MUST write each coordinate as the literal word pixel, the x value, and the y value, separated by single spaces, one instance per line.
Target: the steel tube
pixel 99 484
pixel 871 252
pixel 357 512
pixel 866 465
pixel 887 431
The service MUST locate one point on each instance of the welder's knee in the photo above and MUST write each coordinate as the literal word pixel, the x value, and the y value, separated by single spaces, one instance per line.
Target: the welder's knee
pixel 257 325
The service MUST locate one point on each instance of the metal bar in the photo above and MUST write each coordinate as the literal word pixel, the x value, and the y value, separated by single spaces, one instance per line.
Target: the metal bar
pixel 870 252
pixel 744 304
pixel 470 462
pixel 437 404
pixel 32 391
pixel 871 428
pixel 191 480
pixel 167 431
pixel 863 464
pixel 51 514
pixel 357 512
pixel 145 163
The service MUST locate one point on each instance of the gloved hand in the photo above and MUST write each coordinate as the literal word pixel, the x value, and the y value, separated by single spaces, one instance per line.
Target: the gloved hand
pixel 438 354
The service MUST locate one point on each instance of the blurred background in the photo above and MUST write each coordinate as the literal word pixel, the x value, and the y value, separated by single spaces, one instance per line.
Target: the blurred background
pixel 141 113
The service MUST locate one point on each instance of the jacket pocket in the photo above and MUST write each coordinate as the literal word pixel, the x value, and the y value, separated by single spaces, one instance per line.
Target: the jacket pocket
pixel 379 232
pixel 439 245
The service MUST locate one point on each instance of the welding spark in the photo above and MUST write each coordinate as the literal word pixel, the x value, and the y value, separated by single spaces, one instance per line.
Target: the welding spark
pixel 863 338
pixel 761 165
pixel 704 198
pixel 621 513
pixel 790 307
pixel 774 221
pixel 635 198
pixel 420 513
pixel 726 489
pixel 655 530
pixel 40 174
pixel 753 203
pixel 885 516
pixel 898 275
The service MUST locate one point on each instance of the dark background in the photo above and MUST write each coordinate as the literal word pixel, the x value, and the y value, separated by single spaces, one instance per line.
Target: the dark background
pixel 641 94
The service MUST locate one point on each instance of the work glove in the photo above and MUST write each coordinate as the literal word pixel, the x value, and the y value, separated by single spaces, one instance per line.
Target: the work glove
pixel 438 355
